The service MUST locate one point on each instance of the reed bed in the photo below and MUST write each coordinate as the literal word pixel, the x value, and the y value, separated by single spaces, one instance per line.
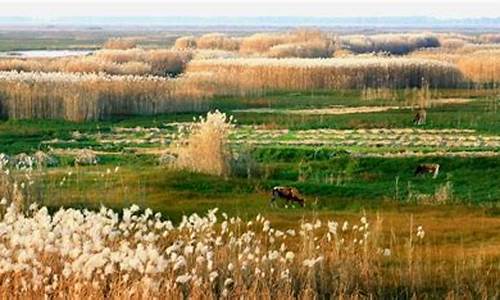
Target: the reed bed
pixel 482 66
pixel 479 64
pixel 246 76
pixel 490 38
pixel 299 43
pixel 120 43
pixel 391 43
pixel 159 62
pixel 81 97
pixel 263 43
pixel 185 42
pixel 218 41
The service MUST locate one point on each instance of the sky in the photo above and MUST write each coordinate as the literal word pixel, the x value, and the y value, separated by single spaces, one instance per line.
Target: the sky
pixel 46 9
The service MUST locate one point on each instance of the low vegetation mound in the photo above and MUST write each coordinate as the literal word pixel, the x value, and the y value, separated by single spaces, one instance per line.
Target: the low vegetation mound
pixel 218 41
pixel 120 43
pixel 158 62
pixel 390 43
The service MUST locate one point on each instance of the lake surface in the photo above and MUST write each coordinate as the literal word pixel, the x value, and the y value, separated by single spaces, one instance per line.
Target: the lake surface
pixel 44 53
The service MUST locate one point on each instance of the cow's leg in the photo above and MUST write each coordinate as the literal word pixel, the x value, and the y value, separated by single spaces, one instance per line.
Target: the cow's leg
pixel 436 172
pixel 272 203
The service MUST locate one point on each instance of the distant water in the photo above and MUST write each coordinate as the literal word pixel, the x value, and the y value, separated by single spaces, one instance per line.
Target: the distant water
pixel 44 53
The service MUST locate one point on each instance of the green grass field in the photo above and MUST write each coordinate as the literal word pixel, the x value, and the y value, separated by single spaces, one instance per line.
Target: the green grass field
pixel 331 177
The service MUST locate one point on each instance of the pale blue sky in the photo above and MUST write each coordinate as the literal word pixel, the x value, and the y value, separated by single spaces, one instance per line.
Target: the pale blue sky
pixel 320 8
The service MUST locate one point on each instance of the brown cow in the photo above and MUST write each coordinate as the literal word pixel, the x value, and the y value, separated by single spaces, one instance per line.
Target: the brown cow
pixel 427 168
pixel 420 117
pixel 289 194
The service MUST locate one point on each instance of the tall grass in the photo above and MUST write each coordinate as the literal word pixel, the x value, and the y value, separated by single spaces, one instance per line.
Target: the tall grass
pixel 185 42
pixel 96 96
pixel 306 43
pixel 322 49
pixel 218 41
pixel 120 43
pixel 205 149
pixel 479 63
pixel 493 38
pixel 242 76
pixel 481 66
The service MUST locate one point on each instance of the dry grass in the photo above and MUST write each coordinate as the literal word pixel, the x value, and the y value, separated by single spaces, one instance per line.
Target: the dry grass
pixel 218 41
pixel 306 43
pixel 120 43
pixel 246 76
pixel 185 42
pixel 96 96
pixel 205 149
pixel 159 62
pixel 305 50
pixel 491 38
pixel 481 66
pixel 480 63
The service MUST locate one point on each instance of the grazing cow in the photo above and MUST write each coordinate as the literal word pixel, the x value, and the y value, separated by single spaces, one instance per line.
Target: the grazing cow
pixel 423 169
pixel 289 194
pixel 420 117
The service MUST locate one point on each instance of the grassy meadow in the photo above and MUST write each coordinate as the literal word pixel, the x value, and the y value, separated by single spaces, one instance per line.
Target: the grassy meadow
pixel 347 143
